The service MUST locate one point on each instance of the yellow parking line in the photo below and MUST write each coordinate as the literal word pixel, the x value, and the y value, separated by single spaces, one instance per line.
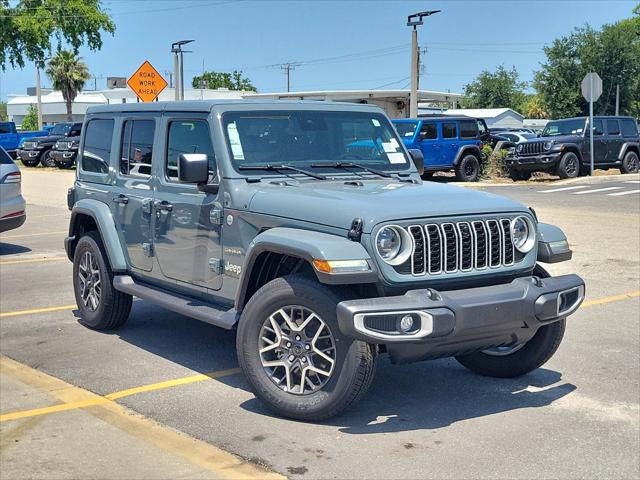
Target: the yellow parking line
pixel 37 310
pixel 223 464
pixel 3 237
pixel 614 298
pixel 34 260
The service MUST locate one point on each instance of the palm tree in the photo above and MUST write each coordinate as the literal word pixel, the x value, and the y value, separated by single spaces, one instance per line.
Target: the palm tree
pixel 68 73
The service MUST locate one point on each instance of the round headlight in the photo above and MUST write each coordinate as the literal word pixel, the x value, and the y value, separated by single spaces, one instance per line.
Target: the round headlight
pixel 548 145
pixel 523 234
pixel 394 244
pixel 520 147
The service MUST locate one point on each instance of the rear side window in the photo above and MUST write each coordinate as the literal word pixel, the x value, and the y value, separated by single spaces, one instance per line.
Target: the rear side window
pixel 4 128
pixel 613 127
pixel 468 129
pixel 429 131
pixel 449 130
pixel 137 148
pixel 188 137
pixel 629 128
pixel 97 146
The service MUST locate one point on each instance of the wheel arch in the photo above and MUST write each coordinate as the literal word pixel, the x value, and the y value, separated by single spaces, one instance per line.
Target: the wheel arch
pixel 88 215
pixel 281 251
pixel 466 150
pixel 629 147
pixel 572 148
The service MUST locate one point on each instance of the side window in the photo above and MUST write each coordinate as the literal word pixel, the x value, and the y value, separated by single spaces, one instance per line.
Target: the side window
pixel 468 129
pixel 449 130
pixel 136 148
pixel 4 128
pixel 598 127
pixel 97 146
pixel 189 137
pixel 429 131
pixel 613 127
pixel 629 128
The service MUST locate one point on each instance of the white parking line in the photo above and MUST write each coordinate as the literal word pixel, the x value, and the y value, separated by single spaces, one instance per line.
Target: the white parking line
pixel 628 192
pixel 563 189
pixel 632 181
pixel 597 190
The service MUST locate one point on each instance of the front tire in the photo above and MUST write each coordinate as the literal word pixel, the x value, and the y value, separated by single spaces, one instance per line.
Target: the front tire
pixel 630 164
pixel 509 362
pixel 101 306
pixel 519 175
pixel 293 354
pixel 47 160
pixel 569 166
pixel 30 163
pixel 468 169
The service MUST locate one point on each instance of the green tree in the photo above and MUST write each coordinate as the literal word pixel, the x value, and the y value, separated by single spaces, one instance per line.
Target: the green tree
pixel 30 120
pixel 232 81
pixel 28 28
pixel 499 89
pixel 613 52
pixel 3 111
pixel 68 73
pixel 532 107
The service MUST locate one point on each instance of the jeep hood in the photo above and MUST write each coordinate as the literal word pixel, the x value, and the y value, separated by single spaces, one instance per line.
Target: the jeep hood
pixel 336 203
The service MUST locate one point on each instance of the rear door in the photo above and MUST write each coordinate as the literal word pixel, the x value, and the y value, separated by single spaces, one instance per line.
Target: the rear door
pixel 449 142
pixel 614 139
pixel 133 189
pixel 188 229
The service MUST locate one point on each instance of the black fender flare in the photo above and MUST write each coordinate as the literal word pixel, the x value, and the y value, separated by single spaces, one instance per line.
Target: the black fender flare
pixel 466 150
pixel 633 146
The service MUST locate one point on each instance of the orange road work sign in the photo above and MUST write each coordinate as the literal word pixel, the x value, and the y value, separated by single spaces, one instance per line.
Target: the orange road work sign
pixel 147 83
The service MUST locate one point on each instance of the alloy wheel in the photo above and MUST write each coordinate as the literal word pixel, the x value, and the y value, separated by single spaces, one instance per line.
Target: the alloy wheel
pixel 297 350
pixel 89 281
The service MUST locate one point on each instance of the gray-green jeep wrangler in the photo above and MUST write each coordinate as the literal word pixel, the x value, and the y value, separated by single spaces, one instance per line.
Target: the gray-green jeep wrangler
pixel 306 227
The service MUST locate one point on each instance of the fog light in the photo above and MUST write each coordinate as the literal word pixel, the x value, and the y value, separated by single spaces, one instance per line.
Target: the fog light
pixel 406 323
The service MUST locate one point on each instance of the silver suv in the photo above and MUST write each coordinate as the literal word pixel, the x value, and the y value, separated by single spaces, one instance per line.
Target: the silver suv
pixel 12 205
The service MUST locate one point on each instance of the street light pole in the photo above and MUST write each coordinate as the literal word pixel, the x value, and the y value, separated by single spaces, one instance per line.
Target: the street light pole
pixel 414 21
pixel 39 95
pixel 178 68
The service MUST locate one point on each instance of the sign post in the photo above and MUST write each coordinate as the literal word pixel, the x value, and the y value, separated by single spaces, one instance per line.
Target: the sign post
pixel 147 83
pixel 591 91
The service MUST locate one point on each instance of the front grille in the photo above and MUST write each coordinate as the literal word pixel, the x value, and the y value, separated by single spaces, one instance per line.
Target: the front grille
pixel 531 148
pixel 450 247
pixel 63 145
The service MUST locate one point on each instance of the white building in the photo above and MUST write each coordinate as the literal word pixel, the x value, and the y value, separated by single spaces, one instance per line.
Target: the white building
pixel 495 117
pixel 54 108
pixel 394 102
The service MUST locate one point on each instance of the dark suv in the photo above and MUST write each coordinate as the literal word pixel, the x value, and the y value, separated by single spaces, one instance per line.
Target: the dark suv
pixel 38 149
pixel 563 148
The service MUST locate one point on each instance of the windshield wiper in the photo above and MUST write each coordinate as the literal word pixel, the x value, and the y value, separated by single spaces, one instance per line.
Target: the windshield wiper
pixel 268 166
pixel 347 165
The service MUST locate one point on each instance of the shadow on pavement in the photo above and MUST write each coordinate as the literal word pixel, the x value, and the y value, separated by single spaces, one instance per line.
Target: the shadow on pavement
pixel 426 395
pixel 11 249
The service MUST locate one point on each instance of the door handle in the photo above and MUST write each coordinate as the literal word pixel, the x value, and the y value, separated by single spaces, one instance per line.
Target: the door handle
pixel 121 199
pixel 163 206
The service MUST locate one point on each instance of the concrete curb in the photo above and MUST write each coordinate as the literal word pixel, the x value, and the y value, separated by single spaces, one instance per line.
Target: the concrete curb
pixel 553 183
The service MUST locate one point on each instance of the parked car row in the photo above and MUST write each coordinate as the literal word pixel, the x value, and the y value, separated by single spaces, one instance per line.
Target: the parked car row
pixel 11 138
pixel 58 148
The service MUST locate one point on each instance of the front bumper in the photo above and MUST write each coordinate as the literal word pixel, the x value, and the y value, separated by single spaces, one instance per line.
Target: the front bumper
pixel 28 154
pixel 454 322
pixel 544 161
pixel 63 156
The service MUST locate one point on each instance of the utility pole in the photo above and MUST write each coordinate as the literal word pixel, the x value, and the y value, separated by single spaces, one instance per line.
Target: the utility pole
pixel 287 67
pixel 414 21
pixel 178 67
pixel 39 95
pixel 617 99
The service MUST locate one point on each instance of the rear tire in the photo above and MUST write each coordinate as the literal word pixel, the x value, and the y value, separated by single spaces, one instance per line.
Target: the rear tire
pixel 101 306
pixel 47 160
pixel 525 358
pixel 569 166
pixel 324 396
pixel 427 175
pixel 468 169
pixel 630 164
pixel 63 165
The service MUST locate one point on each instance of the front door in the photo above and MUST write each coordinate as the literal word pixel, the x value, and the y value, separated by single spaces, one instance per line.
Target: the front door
pixel 429 145
pixel 133 191
pixel 600 142
pixel 188 244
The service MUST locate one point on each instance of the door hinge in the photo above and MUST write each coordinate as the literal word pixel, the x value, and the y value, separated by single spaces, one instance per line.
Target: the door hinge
pixel 147 248
pixel 216 266
pixel 215 217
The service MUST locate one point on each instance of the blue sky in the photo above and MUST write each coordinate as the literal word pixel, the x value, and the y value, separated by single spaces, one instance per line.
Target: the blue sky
pixel 346 44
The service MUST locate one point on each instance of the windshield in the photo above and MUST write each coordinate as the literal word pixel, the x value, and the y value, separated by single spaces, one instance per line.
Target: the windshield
pixel 406 129
pixel 302 137
pixel 60 129
pixel 564 127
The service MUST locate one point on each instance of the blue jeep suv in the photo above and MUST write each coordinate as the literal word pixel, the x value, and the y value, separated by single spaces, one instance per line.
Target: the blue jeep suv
pixel 447 143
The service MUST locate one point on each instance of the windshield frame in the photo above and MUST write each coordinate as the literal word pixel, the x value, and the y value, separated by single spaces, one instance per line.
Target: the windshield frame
pixel 565 121
pixel 400 168
pixel 66 126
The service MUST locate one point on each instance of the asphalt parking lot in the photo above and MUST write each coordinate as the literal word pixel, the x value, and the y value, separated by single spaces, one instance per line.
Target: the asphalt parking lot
pixel 578 417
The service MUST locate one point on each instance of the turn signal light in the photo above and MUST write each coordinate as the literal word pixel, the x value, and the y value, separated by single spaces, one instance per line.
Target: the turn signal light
pixel 341 266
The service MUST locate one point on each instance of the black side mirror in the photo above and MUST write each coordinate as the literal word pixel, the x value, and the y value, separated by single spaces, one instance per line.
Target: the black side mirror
pixel 418 159
pixel 194 168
